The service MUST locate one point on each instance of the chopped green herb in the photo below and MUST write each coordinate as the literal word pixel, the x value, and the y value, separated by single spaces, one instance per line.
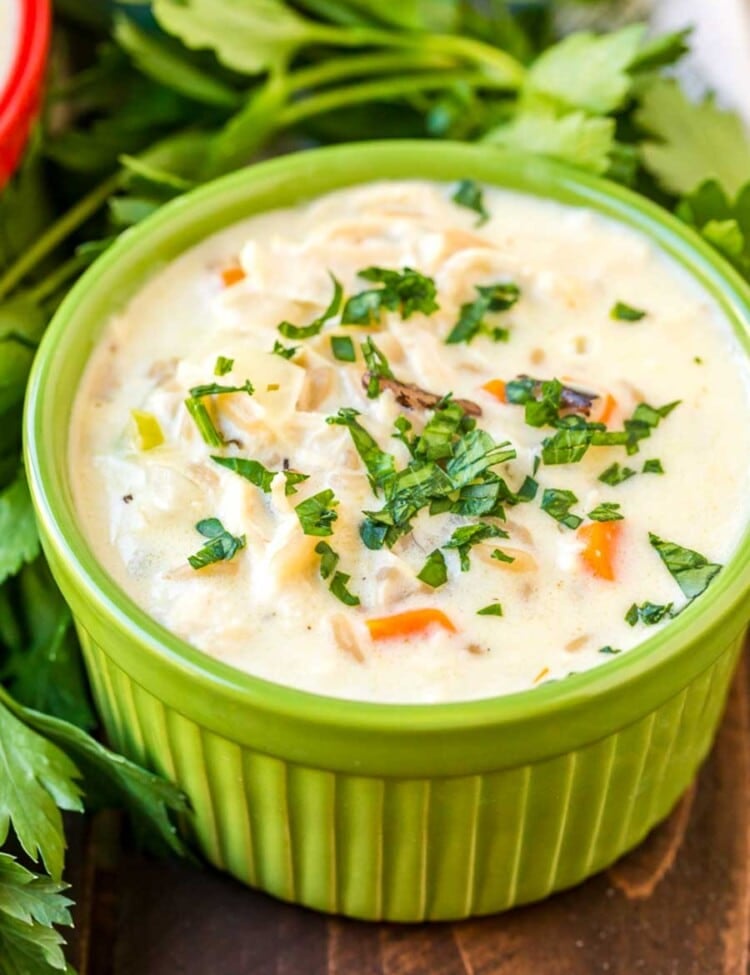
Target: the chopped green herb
pixel 557 503
pixel 317 514
pixel 328 559
pixel 223 366
pixel 434 572
pixel 494 609
pixel 286 352
pixel 342 348
pixel 402 430
pixel 653 467
pixel 528 490
pixel 649 613
pixel 501 556
pixel 692 571
pixel 645 418
pixel 257 474
pixel 472 314
pixel 290 331
pixel 380 465
pixel 623 312
pixel 377 367
pixel 697 360
pixel 469 195
pixel 221 546
pixel 463 540
pixel 615 474
pixel 339 589
pixel 203 421
pixel 406 291
pixel 608 650
pixel 606 511
pixel 215 389
pixel 567 446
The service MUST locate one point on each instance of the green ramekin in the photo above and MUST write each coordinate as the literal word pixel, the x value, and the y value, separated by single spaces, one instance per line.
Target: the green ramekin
pixel 380 811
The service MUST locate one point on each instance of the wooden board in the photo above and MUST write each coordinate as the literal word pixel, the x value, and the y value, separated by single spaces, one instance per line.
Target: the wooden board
pixel 679 905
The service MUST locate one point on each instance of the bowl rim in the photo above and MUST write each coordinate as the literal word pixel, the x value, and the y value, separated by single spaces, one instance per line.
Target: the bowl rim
pixel 647 672
pixel 18 95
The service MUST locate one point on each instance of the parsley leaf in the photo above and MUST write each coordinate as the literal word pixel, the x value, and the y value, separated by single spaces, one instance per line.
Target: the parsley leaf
pixel 340 590
pixel 653 466
pixel 463 539
pixel 200 414
pixel 567 446
pixel 221 547
pixel 649 613
pixel 380 465
pixel 468 194
pixel 257 474
pixel 471 320
pixel 338 584
pixel 434 572
pixel 286 352
pixel 377 367
pixel 406 291
pixel 608 650
pixel 19 541
pixel 615 474
pixel 290 331
pixel 494 609
pixel 342 348
pixel 606 511
pixel 623 312
pixel 316 514
pixel 328 559
pixel 574 137
pixel 557 502
pixel 692 571
pixel 215 389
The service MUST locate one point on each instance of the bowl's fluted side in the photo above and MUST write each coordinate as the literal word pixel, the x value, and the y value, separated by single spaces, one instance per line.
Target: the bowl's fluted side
pixel 415 849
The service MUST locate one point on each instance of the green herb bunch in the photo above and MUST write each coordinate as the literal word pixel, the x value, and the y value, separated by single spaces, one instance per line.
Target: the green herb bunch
pixel 135 117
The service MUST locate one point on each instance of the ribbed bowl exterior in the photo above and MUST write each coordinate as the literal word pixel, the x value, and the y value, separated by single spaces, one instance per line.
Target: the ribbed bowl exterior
pixel 414 849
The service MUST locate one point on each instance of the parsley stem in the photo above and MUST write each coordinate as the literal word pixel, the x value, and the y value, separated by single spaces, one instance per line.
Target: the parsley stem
pixel 360 65
pixel 58 231
pixel 386 88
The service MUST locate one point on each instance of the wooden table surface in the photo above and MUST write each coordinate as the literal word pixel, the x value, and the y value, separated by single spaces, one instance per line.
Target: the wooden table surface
pixel 679 905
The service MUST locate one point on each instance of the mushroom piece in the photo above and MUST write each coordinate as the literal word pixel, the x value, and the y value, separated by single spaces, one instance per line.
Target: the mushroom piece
pixel 414 398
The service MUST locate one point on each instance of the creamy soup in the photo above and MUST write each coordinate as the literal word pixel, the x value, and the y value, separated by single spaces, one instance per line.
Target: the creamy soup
pixel 9 26
pixel 415 442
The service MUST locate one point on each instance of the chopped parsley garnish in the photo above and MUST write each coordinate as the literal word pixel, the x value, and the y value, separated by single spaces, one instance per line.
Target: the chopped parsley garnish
pixel 338 584
pixel 623 312
pixel 557 503
pixel 406 291
pixel 471 320
pixel 380 465
pixel 434 572
pixel 501 556
pixel 220 547
pixel 290 331
pixel 494 609
pixel 317 514
pixel 202 419
pixel 257 474
pixel 653 467
pixel 608 650
pixel 463 539
pixel 615 474
pixel 377 367
pixel 469 195
pixel 645 418
pixel 567 446
pixel 223 366
pixel 692 571
pixel 606 511
pixel 649 613
pixel 286 352
pixel 215 389
pixel 342 348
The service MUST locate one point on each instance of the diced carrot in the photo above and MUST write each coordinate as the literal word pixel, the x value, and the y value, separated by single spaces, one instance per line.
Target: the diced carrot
pixel 408 623
pixel 232 275
pixel 608 407
pixel 600 549
pixel 496 388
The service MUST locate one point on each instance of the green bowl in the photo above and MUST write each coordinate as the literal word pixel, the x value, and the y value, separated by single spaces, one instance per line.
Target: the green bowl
pixel 381 811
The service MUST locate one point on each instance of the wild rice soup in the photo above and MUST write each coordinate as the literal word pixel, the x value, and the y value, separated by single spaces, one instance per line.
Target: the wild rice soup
pixel 415 442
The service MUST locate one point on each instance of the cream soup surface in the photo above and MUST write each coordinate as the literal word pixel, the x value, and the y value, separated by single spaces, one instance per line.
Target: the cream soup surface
pixel 264 606
pixel 9 26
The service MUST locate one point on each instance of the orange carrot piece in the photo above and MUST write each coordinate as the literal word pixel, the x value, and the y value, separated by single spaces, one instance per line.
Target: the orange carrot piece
pixel 598 555
pixel 232 275
pixel 609 405
pixel 408 623
pixel 496 388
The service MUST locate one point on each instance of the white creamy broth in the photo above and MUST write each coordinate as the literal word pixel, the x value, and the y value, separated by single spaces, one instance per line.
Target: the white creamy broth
pixel 9 27
pixel 565 594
